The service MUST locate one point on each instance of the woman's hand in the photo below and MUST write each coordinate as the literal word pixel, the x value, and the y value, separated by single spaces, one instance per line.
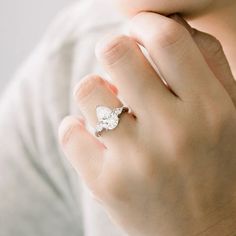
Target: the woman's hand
pixel 170 169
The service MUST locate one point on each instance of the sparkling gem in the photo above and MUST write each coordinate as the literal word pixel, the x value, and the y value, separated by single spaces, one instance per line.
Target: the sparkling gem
pixel 118 111
pixel 103 112
pixel 108 119
pixel 99 127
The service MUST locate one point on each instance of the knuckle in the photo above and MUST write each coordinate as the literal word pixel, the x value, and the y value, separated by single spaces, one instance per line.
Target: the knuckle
pixel 169 34
pixel 211 47
pixel 215 47
pixel 86 86
pixel 113 49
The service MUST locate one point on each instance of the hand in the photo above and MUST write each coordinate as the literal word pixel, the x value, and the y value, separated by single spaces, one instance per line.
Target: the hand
pixel 170 169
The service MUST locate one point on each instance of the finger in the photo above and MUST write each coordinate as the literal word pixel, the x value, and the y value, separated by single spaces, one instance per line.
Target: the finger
pixel 214 55
pixel 93 91
pixel 138 83
pixel 176 55
pixel 83 150
pixel 213 52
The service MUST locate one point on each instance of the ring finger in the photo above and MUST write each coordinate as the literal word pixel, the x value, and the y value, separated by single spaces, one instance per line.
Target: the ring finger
pixel 93 91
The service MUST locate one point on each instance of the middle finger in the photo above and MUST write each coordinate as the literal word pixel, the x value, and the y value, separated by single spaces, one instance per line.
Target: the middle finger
pixel 138 83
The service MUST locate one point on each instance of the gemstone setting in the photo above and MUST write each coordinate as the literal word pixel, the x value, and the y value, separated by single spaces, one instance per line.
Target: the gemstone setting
pixel 108 119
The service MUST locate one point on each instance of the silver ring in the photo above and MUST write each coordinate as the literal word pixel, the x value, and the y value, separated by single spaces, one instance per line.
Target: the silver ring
pixel 108 119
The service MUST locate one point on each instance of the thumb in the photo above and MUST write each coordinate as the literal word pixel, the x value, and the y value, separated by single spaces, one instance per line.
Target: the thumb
pixel 214 55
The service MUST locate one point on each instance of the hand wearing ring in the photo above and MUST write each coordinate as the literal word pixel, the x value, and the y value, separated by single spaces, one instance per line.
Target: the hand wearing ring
pixel 170 170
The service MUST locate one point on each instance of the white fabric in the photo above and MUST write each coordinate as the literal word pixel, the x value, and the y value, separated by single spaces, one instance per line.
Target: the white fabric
pixel 40 193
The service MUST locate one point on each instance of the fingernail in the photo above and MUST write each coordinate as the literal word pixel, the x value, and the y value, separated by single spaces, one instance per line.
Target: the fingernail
pixel 183 22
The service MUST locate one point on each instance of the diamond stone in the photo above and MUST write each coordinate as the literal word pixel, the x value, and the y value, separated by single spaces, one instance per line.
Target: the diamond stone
pixel 103 112
pixel 108 119
pixel 111 122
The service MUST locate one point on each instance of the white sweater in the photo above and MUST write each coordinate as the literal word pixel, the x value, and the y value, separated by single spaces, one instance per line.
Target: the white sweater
pixel 40 193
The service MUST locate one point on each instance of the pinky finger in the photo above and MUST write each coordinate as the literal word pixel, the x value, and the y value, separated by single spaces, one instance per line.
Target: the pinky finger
pixel 83 150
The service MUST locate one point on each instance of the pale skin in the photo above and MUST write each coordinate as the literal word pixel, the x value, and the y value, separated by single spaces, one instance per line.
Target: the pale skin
pixel 169 168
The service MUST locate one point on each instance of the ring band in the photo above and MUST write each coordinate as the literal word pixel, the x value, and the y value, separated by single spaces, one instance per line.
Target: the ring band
pixel 108 119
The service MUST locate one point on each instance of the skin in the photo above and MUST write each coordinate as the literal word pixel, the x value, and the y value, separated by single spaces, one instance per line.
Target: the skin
pixel 170 169
pixel 191 8
pixel 216 17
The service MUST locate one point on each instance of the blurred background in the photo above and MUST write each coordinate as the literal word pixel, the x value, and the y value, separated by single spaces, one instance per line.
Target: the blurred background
pixel 22 24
